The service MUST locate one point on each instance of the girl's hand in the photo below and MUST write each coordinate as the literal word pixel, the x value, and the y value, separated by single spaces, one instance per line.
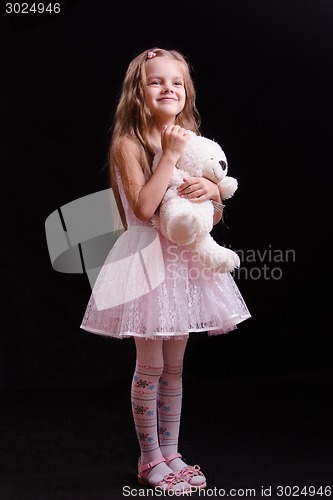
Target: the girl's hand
pixel 174 139
pixel 198 189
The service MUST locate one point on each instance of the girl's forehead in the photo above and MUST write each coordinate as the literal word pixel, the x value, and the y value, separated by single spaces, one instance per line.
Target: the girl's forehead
pixel 163 66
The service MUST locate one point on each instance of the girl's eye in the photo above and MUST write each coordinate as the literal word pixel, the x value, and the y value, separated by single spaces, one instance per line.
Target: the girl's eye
pixel 179 83
pixel 155 82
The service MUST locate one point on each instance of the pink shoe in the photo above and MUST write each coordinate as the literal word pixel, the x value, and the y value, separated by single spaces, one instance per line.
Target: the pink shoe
pixel 167 482
pixel 188 472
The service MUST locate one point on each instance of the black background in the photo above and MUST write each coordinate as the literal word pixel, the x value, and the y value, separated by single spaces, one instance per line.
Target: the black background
pixel 263 77
pixel 263 74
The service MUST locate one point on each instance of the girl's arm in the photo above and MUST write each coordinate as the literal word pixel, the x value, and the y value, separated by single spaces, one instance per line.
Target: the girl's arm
pixel 198 189
pixel 217 213
pixel 145 197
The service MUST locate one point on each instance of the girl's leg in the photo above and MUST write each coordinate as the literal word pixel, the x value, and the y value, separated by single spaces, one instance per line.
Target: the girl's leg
pixel 169 401
pixel 169 395
pixel 148 369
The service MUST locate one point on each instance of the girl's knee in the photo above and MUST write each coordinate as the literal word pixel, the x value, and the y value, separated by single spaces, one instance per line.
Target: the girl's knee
pixel 149 353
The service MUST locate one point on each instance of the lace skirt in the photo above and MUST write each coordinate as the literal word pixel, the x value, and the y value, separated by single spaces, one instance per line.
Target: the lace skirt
pixel 150 287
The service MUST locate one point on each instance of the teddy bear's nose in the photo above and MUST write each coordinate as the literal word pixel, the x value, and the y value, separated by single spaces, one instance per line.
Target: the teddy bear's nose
pixel 223 164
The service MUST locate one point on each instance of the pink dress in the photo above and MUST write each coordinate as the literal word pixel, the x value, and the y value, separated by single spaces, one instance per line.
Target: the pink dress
pixel 149 287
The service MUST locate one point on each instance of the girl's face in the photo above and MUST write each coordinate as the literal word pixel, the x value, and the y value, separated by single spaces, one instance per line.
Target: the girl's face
pixel 165 92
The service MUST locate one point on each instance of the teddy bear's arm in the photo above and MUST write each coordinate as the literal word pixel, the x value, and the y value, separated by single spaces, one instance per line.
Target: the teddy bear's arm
pixel 227 187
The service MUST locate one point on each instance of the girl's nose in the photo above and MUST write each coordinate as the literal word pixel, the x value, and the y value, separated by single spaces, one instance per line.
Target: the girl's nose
pixel 168 89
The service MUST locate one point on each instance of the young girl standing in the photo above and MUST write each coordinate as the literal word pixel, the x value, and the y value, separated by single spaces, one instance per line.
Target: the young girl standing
pixel 149 288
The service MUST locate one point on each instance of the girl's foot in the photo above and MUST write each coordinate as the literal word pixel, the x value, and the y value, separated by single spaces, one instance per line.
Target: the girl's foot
pixel 189 473
pixel 157 473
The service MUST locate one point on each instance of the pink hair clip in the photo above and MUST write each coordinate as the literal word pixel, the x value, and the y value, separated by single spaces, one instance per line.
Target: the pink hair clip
pixel 151 54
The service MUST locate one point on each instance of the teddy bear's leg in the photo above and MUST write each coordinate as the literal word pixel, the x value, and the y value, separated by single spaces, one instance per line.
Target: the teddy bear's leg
pixel 174 220
pixel 182 229
pixel 188 221
pixel 214 256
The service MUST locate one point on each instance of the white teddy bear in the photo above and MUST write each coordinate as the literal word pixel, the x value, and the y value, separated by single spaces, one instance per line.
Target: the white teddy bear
pixel 189 224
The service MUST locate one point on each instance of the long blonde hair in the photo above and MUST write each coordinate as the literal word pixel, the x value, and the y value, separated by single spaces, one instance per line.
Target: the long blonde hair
pixel 132 117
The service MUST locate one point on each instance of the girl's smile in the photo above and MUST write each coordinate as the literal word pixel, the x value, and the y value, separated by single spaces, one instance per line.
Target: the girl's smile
pixel 167 99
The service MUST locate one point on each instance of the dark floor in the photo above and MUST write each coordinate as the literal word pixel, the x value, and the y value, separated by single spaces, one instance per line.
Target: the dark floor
pixel 66 444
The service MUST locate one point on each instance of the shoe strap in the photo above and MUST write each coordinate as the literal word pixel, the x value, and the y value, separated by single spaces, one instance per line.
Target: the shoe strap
pixel 150 465
pixel 171 457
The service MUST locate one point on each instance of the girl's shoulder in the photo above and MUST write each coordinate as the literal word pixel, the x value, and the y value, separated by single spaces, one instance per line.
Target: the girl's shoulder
pixel 124 148
pixel 126 141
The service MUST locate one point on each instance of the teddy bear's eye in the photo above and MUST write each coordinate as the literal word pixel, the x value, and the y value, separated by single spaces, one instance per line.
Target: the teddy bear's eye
pixel 212 158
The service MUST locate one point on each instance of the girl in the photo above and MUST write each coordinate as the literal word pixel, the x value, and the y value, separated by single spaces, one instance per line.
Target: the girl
pixel 149 288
